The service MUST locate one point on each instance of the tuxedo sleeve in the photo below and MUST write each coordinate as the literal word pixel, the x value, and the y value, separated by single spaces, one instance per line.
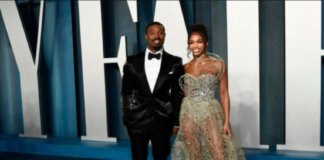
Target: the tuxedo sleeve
pixel 126 91
pixel 177 92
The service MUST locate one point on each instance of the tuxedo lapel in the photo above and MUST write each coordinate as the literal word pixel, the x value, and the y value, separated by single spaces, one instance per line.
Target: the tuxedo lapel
pixel 140 68
pixel 166 66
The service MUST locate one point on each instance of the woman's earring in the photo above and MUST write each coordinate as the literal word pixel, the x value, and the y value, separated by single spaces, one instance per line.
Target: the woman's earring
pixel 189 54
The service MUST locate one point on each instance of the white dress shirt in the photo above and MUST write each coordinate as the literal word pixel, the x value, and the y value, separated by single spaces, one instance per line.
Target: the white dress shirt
pixel 152 68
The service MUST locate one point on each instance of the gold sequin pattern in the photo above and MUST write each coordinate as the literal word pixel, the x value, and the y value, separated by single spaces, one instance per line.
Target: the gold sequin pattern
pixel 200 135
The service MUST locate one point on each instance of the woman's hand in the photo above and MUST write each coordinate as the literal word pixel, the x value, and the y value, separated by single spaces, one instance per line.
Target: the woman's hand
pixel 227 130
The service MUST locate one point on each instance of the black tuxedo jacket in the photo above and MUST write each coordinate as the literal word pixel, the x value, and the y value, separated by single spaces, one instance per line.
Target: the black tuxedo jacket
pixel 140 106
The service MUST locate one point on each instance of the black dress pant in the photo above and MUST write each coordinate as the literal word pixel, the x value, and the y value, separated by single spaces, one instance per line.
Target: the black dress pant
pixel 160 140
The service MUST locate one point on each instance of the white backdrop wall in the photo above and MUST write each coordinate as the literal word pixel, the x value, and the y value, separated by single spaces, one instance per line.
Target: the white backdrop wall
pixel 303 75
pixel 243 70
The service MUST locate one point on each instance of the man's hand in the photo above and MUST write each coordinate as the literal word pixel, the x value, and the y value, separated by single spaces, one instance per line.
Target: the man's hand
pixel 175 131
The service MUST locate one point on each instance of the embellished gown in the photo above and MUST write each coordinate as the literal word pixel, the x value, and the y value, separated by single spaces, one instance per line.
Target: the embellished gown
pixel 200 135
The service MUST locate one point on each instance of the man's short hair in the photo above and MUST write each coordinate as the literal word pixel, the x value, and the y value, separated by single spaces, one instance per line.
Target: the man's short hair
pixel 154 23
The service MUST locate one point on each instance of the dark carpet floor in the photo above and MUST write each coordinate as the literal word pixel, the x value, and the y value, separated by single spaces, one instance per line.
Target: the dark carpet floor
pixel 23 156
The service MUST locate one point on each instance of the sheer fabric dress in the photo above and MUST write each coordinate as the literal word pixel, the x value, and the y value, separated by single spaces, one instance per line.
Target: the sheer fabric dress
pixel 200 136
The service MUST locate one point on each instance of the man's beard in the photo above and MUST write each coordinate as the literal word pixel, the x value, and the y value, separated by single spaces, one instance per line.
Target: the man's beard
pixel 157 48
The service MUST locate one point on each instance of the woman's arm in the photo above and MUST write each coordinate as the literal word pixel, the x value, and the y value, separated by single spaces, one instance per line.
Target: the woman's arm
pixel 185 91
pixel 223 92
pixel 225 101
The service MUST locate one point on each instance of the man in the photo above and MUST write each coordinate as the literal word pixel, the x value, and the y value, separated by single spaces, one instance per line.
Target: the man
pixel 149 111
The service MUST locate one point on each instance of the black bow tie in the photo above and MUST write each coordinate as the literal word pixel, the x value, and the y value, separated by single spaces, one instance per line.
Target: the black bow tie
pixel 151 55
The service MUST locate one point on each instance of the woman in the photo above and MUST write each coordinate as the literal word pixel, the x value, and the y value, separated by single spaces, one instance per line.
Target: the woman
pixel 205 132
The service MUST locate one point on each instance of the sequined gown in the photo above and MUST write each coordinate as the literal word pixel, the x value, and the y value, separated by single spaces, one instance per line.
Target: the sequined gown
pixel 200 135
